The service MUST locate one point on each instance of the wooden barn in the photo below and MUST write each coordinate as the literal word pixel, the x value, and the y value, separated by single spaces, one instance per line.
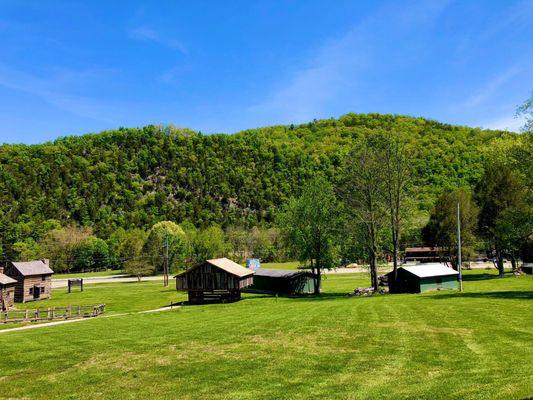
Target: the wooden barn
pixel 7 291
pixel 287 282
pixel 214 280
pixel 422 278
pixel 34 280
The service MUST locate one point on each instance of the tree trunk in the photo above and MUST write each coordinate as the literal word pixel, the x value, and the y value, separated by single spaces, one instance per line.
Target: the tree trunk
pixel 395 258
pixel 513 263
pixel 318 276
pixel 499 263
pixel 318 280
pixel 315 277
pixel 374 272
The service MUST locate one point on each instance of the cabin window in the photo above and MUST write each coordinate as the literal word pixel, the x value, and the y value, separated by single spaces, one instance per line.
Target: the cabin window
pixel 31 290
pixel 43 278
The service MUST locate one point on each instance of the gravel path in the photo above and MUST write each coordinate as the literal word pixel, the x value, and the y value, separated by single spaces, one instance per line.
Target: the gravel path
pixel 69 321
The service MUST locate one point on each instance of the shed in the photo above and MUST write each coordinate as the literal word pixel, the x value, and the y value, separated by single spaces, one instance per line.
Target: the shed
pixel 279 281
pixel 423 278
pixel 7 291
pixel 219 279
pixel 34 280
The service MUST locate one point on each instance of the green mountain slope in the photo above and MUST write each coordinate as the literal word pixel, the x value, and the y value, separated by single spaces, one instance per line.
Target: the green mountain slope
pixel 135 177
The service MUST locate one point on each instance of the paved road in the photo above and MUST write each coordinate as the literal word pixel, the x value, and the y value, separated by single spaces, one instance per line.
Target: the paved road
pixel 57 283
pixel 63 282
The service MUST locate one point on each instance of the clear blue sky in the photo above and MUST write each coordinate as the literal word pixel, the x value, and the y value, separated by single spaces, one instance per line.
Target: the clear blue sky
pixel 221 66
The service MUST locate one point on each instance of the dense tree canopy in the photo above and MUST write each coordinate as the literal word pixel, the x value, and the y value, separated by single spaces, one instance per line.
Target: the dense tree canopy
pixel 134 178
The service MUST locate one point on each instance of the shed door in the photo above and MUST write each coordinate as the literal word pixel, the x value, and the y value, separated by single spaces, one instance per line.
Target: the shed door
pixel 36 292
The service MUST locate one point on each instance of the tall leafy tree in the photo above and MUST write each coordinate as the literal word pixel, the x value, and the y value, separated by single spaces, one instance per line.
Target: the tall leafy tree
pixel 204 244
pixel 441 230
pixel 502 197
pixel 60 246
pixel 311 224
pixel 397 164
pixel 92 254
pixel 364 192
pixel 166 238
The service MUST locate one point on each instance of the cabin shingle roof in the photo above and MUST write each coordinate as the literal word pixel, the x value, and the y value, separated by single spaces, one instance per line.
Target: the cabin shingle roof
pixel 30 268
pixel 6 280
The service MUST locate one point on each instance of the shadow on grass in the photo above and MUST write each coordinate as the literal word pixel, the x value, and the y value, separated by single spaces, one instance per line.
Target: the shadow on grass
pixel 511 294
pixel 322 296
pixel 481 277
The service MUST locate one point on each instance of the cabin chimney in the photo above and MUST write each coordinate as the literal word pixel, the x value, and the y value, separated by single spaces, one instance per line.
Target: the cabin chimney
pixel 46 261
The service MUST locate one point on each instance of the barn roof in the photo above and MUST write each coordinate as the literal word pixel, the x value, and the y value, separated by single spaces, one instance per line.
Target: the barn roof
pixel 421 249
pixel 430 269
pixel 224 264
pixel 6 280
pixel 230 267
pixel 280 273
pixel 29 268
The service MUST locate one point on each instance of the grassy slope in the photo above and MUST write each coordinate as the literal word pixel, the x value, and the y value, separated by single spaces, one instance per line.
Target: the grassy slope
pixel 436 345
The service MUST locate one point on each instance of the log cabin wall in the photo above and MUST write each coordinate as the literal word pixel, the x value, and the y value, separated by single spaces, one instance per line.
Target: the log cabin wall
pixel 9 295
pixel 26 288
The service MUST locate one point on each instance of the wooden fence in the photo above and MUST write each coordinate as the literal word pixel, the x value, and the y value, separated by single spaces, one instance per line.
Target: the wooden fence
pixel 51 314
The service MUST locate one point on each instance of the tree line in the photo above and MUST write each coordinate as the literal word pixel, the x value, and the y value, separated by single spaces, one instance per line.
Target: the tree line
pixel 380 178
pixel 367 212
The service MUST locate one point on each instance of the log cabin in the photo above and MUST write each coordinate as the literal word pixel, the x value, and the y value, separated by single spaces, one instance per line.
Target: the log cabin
pixel 7 291
pixel 214 280
pixel 34 280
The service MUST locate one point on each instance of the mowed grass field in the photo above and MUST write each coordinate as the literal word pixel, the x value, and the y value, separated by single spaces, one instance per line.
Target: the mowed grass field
pixel 474 345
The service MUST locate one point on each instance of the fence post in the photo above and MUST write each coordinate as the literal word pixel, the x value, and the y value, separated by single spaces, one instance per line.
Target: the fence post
pixel 26 315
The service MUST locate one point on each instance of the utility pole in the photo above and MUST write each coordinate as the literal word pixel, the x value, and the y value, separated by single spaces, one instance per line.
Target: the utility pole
pixel 165 265
pixel 459 261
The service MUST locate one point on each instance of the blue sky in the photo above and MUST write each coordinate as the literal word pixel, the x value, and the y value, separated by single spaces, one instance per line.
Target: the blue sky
pixel 222 66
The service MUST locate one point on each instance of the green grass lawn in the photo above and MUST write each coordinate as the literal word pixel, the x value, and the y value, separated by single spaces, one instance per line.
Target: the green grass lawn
pixel 471 345
pixel 109 272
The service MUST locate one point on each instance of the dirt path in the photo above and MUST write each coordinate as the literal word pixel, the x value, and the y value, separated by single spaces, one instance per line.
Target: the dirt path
pixel 69 321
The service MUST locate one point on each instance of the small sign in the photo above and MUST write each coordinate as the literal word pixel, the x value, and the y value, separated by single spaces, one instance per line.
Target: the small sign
pixel 253 263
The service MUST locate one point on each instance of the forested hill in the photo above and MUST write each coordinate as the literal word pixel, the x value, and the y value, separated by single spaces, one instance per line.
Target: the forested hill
pixel 135 177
